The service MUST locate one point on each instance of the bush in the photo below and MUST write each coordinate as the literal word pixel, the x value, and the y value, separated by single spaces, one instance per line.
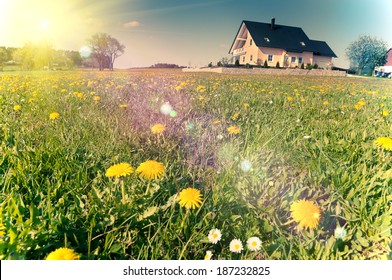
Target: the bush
pixel 210 64
pixel 247 65
pixel 219 64
pixel 302 66
pixel 315 66
pixel 265 64
pixel 309 66
pixel 277 65
pixel 237 63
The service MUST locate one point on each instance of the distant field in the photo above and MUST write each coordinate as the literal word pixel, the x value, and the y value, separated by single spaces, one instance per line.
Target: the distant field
pixel 302 164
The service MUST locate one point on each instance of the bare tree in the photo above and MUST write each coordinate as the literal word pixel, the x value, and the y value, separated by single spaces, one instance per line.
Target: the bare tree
pixel 115 49
pixel 105 49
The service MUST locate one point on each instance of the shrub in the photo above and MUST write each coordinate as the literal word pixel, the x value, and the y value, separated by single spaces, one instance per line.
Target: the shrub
pixel 302 66
pixel 219 64
pixel 265 64
pixel 315 66
pixel 309 66
pixel 277 65
pixel 237 63
pixel 210 64
pixel 247 65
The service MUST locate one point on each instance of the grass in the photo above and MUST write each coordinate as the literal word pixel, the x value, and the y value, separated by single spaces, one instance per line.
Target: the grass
pixel 305 138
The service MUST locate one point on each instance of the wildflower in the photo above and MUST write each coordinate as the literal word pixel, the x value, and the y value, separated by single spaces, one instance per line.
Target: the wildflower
pixel 190 198
pixel 271 183
pixel 54 116
pixel 123 106
pixel 201 98
pixel 208 255
pixel 119 170
pixel 246 105
pixel 236 246
pixel 157 128
pixel 63 254
pixel 361 103
pixel 214 236
pixel 385 113
pixel 96 98
pixel 17 107
pixel 235 116
pixel 326 103
pixel 216 122
pixel 340 232
pixel 384 142
pixel 151 170
pixel 290 98
pixel 253 243
pixel 233 129
pixel 357 106
pixel 245 165
pixel 306 213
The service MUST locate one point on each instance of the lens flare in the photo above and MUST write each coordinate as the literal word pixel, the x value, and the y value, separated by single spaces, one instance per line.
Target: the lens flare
pixel 166 108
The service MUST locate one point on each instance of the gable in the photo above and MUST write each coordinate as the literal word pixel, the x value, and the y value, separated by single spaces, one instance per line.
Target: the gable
pixel 288 38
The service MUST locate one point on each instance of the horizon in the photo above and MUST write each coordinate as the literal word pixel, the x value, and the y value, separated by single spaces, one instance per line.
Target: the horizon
pixel 184 32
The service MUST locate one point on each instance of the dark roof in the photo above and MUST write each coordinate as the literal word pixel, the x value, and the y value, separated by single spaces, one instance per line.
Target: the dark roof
pixel 284 37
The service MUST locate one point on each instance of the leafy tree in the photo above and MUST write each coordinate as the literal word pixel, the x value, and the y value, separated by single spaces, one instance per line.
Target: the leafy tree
pixel 105 49
pixel 3 57
pixel 265 64
pixel 366 52
pixel 25 56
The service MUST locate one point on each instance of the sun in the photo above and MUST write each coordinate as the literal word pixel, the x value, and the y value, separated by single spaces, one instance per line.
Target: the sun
pixel 44 25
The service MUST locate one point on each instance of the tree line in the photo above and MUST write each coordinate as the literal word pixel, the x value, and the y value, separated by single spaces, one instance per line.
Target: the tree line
pixel 104 50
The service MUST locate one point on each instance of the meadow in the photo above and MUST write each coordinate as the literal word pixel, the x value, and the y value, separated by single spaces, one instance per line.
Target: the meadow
pixel 168 165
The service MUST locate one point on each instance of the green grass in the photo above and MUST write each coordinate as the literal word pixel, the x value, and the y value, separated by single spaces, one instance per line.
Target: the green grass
pixel 306 137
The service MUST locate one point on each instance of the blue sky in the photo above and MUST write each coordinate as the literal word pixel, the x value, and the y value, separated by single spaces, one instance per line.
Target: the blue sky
pixel 187 32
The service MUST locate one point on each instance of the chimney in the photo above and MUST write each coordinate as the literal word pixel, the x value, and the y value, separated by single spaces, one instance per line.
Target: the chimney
pixel 272 23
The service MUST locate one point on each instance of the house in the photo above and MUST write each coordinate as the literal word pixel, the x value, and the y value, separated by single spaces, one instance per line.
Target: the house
pixel 258 42
pixel 389 58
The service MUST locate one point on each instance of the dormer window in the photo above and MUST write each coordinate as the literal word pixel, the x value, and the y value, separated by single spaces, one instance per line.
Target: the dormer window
pixel 250 42
pixel 266 39
pixel 302 44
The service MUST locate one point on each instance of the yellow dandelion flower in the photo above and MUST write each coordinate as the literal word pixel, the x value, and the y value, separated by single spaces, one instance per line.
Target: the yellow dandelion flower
pixel 235 116
pixel 357 106
pixel 201 98
pixel 362 103
pixel 233 129
pixel 119 170
pixel 326 103
pixel 385 113
pixel 216 122
pixel 382 105
pixel 54 116
pixel 63 254
pixel 97 98
pixel 306 213
pixel 246 105
pixel 158 128
pixel 384 142
pixel 290 98
pixel 190 198
pixel 151 170
pixel 17 107
pixel 236 246
pixel 123 106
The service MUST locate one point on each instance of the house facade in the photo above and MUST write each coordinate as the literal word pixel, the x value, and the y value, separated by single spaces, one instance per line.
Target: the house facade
pixel 258 42
pixel 389 58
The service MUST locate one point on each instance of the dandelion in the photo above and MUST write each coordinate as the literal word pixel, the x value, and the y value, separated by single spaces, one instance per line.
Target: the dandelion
pixel 235 116
pixel 236 246
pixel 96 98
pixel 123 106
pixel 357 106
pixel 246 105
pixel 208 255
pixel 253 244
pixel 306 213
pixel 157 128
pixel 245 165
pixel 326 103
pixel 190 198
pixel 290 98
pixel 151 170
pixel 17 107
pixel 166 108
pixel 214 236
pixel 54 116
pixel 385 113
pixel 384 142
pixel 271 183
pixel 119 170
pixel 63 254
pixel 216 122
pixel 233 129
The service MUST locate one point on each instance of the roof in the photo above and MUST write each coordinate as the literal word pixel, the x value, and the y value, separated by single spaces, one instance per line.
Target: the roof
pixel 289 38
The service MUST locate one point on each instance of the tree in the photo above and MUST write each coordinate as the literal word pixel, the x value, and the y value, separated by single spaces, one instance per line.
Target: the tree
pixel 366 52
pixel 105 49
pixel 3 57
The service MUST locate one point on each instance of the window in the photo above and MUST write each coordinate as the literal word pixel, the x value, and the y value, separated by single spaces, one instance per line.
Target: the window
pixel 300 60
pixel 302 44
pixel 251 57
pixel 266 39
pixel 293 58
pixel 270 57
pixel 243 58
pixel 250 43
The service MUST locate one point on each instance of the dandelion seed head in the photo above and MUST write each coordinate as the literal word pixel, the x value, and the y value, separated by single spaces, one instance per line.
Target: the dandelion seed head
pixel 245 165
pixel 166 108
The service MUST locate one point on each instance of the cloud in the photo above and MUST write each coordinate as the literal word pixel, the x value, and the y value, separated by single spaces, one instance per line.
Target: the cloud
pixel 131 24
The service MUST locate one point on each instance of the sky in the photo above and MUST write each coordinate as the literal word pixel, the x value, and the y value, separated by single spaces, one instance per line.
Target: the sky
pixel 186 32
